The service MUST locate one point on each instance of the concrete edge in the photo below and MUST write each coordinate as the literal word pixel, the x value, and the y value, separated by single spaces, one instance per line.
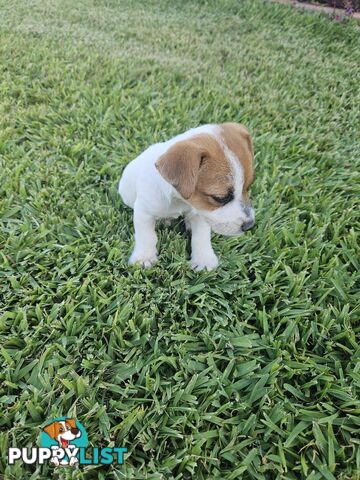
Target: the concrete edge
pixel 339 12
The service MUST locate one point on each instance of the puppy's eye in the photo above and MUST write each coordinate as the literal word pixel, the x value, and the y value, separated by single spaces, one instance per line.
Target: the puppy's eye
pixel 202 160
pixel 223 200
pixel 61 430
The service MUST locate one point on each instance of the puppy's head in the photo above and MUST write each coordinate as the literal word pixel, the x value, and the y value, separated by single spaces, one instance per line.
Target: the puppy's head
pixel 213 174
pixel 63 431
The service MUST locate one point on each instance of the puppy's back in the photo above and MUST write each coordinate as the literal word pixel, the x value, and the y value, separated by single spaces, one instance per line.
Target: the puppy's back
pixel 140 173
pixel 127 185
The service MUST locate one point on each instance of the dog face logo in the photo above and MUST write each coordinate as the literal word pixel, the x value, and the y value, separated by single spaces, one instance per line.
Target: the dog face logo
pixel 64 436
pixel 63 431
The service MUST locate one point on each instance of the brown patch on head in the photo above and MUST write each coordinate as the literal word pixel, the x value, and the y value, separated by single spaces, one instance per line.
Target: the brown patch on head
pixel 53 429
pixel 71 422
pixel 198 169
pixel 238 140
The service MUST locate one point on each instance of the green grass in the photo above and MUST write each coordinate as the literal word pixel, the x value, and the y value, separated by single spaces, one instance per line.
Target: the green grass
pixel 247 372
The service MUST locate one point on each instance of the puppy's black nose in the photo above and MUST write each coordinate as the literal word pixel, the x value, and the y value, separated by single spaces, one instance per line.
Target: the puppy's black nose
pixel 247 225
pixel 75 431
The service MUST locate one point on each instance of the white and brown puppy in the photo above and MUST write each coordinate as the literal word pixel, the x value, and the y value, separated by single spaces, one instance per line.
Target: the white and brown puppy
pixel 203 174
pixel 63 432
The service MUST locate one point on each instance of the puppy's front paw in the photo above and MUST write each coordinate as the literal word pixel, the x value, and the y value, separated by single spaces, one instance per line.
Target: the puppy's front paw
pixel 145 259
pixel 207 260
pixel 73 461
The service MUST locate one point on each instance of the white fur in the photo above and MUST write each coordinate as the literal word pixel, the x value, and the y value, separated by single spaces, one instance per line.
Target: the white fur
pixel 152 197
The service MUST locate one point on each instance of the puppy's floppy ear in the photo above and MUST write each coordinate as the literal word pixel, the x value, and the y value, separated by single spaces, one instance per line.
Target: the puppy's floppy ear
pixel 50 430
pixel 246 135
pixel 71 422
pixel 180 166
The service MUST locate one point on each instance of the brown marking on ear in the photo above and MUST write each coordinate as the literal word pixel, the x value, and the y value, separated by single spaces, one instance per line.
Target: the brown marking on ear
pixel 180 166
pixel 197 168
pixel 71 422
pixel 53 429
pixel 238 140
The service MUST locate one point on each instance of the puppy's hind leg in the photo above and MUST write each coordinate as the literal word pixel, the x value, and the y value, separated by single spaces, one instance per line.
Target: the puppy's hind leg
pixel 144 251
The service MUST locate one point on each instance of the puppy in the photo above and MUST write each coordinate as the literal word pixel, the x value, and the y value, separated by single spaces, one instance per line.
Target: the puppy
pixel 63 432
pixel 203 174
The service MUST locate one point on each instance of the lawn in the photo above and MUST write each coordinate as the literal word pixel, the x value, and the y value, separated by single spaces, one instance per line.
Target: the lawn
pixel 250 371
